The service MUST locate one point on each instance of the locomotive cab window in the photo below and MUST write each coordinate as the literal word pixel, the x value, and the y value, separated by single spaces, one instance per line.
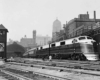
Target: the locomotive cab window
pixel 81 38
pixel 62 43
pixel 52 45
pixel 89 38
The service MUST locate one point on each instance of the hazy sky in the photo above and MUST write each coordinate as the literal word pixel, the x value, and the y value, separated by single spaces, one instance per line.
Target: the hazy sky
pixel 21 17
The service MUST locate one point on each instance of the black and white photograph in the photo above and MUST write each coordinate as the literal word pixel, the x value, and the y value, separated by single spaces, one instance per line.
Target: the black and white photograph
pixel 49 39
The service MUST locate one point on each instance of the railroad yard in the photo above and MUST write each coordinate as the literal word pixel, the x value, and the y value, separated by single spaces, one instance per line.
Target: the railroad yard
pixel 33 69
pixel 72 53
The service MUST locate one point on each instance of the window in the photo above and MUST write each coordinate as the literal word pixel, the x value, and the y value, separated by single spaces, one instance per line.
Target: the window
pixel 77 32
pixel 1 32
pixel 41 47
pixel 53 45
pixel 89 38
pixel 62 43
pixel 80 38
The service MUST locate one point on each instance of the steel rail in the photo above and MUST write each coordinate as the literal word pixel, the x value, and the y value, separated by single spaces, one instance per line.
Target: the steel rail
pixel 59 61
pixel 42 74
pixel 15 75
pixel 51 76
pixel 89 72
pixel 87 65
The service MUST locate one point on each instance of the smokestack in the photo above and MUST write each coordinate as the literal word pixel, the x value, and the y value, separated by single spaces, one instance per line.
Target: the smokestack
pixel 34 37
pixel 87 15
pixel 94 14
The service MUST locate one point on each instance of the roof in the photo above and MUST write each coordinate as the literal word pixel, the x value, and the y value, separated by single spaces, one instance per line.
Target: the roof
pixel 56 21
pixel 3 28
pixel 15 48
pixel 71 21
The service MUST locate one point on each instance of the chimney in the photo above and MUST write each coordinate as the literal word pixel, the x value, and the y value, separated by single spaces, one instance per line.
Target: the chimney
pixel 34 37
pixel 87 13
pixel 94 14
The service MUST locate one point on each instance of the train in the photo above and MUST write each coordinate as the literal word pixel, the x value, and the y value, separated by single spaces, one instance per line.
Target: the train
pixel 78 48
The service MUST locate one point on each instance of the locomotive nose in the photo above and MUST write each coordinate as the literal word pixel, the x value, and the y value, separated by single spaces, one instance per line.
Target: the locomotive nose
pixel 92 57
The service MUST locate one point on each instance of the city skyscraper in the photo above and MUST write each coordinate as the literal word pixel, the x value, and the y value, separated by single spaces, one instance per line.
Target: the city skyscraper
pixel 56 28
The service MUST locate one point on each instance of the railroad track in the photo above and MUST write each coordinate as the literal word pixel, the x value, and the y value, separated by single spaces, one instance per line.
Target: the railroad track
pixel 89 72
pixel 20 70
pixel 12 76
pixel 86 65
pixel 57 61
pixel 7 77
pixel 78 67
pixel 72 61
pixel 57 69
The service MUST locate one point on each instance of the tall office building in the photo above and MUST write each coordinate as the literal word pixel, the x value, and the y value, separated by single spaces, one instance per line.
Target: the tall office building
pixel 56 28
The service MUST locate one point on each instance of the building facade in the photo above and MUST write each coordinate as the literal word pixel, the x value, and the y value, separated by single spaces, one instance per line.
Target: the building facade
pixel 42 40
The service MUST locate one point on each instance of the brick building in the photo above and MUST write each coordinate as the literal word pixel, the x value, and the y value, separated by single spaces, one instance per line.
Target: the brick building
pixel 83 23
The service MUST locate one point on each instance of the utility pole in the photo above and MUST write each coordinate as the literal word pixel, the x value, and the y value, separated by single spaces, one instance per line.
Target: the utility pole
pixel 49 49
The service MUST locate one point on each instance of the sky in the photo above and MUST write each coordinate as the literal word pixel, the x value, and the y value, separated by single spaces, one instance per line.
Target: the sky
pixel 21 17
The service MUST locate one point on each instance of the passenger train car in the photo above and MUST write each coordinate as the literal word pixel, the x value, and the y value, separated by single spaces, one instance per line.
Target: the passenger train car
pixel 78 48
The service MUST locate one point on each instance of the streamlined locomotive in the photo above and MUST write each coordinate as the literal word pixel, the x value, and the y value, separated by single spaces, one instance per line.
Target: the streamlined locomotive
pixel 78 48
